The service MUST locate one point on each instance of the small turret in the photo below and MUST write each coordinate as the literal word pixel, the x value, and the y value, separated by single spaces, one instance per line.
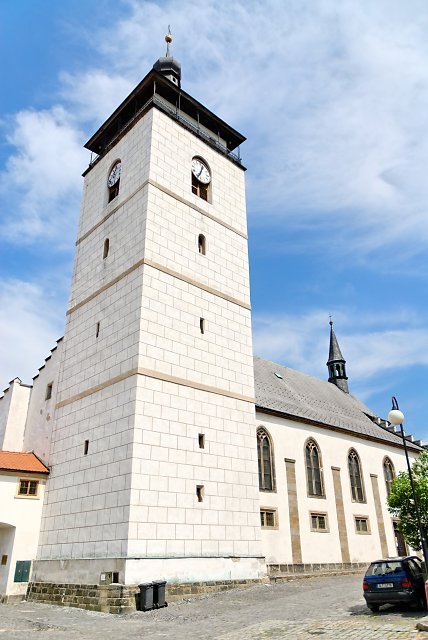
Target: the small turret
pixel 168 66
pixel 336 363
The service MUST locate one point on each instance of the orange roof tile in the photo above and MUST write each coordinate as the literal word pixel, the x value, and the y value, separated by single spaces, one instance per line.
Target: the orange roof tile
pixel 16 461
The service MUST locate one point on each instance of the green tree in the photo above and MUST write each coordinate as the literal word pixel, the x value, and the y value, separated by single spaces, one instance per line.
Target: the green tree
pixel 401 503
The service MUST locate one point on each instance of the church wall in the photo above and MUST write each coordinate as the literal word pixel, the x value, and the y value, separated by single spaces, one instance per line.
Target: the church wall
pixel 289 439
pixel 91 360
pixel 166 517
pixel 171 341
pixel 134 152
pixel 170 166
pixel 19 530
pixel 13 413
pixel 132 497
pixel 41 410
pixel 87 502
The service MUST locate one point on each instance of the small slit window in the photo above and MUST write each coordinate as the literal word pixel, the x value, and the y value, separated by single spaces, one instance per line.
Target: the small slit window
pixel 200 492
pixel 48 394
pixel 106 248
pixel 97 329
pixel 86 447
pixel 202 244
pixel 202 325
pixel 201 440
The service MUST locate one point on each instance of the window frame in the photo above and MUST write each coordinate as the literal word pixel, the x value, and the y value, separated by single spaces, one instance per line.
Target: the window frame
pixel 313 443
pixel 388 464
pixel 352 453
pixel 270 510
pixel 113 191
pixel 262 432
pixel 358 517
pixel 200 189
pixel 27 495
pixel 316 514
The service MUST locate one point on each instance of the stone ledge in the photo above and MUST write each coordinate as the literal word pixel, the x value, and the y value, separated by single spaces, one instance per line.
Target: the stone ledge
pixel 286 572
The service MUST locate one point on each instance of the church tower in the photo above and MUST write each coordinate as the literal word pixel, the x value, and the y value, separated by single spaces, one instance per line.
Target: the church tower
pixel 154 467
pixel 336 363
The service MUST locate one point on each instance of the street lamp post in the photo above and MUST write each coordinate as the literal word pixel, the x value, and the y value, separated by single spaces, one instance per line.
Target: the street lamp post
pixel 396 417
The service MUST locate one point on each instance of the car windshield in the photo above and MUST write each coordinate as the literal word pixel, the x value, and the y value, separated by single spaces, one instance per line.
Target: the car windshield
pixel 384 568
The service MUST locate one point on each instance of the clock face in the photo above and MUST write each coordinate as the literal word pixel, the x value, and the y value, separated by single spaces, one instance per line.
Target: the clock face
pixel 200 171
pixel 114 175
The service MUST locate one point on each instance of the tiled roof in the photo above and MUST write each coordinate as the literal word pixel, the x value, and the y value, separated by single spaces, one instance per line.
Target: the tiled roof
pixel 16 461
pixel 318 401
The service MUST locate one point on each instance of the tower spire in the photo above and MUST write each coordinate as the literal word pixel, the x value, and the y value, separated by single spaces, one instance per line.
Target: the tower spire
pixel 168 40
pixel 336 363
pixel 167 65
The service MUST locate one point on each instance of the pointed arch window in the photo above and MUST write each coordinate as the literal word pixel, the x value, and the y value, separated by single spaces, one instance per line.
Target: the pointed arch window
pixel 355 477
pixel 265 459
pixel 314 475
pixel 388 474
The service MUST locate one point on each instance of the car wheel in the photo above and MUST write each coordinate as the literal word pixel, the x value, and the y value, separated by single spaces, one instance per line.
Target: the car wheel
pixel 373 607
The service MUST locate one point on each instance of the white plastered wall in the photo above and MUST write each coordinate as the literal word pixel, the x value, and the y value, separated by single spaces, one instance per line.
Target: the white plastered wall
pixel 289 440
pixel 19 528
pixel 13 414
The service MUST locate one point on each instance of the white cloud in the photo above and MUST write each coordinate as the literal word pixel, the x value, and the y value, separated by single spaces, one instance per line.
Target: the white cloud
pixel 302 342
pixel 30 324
pixel 332 97
pixel 42 177
pixel 94 95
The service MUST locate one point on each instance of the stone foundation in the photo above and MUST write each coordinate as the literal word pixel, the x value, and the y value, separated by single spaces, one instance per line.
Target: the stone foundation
pixel 118 598
pixel 112 598
pixel 287 571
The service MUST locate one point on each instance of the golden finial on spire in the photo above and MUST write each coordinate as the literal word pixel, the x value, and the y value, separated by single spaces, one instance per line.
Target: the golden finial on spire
pixel 168 40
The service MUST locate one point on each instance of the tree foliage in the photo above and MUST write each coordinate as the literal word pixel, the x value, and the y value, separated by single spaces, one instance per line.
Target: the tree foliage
pixel 401 503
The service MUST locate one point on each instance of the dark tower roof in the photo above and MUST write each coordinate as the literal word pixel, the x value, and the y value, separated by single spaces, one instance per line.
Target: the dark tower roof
pixel 336 363
pixel 167 65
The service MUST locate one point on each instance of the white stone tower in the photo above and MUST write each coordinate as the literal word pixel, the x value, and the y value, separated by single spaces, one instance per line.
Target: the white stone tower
pixel 154 469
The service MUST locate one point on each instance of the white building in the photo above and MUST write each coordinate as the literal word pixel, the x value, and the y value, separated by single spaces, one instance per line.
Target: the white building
pixel 145 412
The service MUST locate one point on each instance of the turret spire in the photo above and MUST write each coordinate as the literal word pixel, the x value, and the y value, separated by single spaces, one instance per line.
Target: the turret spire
pixel 168 66
pixel 336 363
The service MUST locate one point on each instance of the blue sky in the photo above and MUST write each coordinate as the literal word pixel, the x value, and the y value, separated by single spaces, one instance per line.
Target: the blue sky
pixel 333 98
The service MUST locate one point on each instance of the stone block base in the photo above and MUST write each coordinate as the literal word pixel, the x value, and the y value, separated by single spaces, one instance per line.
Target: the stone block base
pixel 287 571
pixel 118 598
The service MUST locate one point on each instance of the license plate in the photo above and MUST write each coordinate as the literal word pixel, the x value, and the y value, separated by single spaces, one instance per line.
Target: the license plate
pixel 385 585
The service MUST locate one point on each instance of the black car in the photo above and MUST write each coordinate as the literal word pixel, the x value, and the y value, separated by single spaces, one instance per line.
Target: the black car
pixel 394 581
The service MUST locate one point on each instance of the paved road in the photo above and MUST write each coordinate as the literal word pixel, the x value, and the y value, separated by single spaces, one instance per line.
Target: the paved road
pixel 330 607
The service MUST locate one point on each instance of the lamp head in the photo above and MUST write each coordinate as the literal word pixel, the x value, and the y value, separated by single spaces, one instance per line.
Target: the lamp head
pixel 395 416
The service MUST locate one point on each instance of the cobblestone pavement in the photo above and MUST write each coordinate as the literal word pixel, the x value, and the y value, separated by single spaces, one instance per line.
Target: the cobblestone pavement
pixel 330 607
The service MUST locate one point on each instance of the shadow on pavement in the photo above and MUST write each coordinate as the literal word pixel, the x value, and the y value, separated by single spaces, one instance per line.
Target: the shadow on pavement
pixel 388 609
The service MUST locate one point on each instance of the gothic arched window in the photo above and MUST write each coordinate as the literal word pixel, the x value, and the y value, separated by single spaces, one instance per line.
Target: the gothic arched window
pixel 265 458
pixel 314 469
pixel 355 477
pixel 388 474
